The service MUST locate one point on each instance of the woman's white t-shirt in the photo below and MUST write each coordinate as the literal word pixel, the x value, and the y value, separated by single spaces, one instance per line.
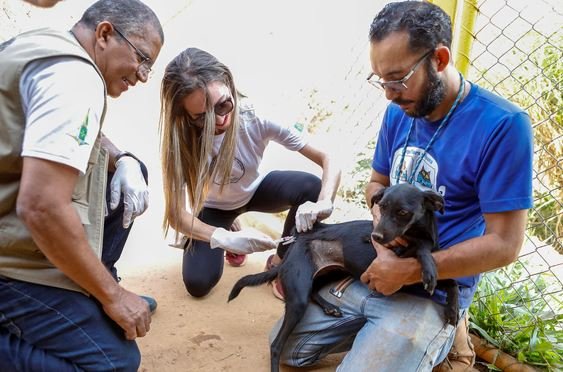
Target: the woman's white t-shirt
pixel 254 135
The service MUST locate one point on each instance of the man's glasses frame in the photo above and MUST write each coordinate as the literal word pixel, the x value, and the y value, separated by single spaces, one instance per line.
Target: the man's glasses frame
pixel 396 85
pixel 144 62
pixel 221 108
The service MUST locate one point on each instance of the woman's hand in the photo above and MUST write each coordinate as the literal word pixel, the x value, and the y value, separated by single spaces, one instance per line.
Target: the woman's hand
pixel 310 212
pixel 245 241
pixel 236 226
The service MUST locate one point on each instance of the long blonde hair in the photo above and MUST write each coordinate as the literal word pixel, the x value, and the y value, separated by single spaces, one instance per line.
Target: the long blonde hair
pixel 186 150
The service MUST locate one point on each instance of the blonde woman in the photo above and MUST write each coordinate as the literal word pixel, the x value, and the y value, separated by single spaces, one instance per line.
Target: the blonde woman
pixel 212 146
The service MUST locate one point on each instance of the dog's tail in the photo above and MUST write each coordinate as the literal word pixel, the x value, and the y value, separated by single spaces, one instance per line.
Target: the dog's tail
pixel 253 281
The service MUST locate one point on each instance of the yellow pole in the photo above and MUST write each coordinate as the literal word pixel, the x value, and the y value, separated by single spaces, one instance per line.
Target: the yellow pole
pixel 462 38
pixel 449 6
pixel 465 36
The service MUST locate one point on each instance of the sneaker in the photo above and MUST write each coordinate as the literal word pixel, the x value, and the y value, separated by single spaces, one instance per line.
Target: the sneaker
pixel 269 263
pixel 235 260
pixel 277 290
pixel 152 303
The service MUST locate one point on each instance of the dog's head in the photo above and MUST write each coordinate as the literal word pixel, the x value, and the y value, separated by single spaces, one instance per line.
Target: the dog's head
pixel 401 206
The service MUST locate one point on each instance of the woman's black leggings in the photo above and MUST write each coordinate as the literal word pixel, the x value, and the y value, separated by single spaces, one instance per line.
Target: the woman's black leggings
pixel 202 266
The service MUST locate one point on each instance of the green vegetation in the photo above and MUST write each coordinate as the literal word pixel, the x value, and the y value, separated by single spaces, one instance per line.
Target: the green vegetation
pixel 519 317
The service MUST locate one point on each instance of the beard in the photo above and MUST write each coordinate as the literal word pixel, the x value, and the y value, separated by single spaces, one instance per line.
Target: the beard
pixel 432 95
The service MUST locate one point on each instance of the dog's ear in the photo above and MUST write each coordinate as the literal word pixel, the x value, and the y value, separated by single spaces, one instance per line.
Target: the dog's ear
pixel 375 198
pixel 434 201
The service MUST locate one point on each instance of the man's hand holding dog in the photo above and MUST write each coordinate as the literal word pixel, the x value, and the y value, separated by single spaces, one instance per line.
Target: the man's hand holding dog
pixel 388 273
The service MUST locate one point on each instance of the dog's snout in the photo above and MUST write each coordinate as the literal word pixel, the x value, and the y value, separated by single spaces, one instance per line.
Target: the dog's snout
pixel 377 236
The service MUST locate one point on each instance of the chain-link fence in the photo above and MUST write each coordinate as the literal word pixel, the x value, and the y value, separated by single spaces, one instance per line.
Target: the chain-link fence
pixel 516 53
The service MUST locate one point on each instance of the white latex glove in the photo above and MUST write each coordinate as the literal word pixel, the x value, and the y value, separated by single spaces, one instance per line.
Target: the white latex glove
pixel 245 241
pixel 128 179
pixel 308 213
pixel 236 226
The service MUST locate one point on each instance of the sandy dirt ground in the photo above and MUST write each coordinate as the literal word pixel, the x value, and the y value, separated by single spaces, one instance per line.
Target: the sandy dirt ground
pixel 209 334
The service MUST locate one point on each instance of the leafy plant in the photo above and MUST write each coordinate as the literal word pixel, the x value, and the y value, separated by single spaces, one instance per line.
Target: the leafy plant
pixel 514 315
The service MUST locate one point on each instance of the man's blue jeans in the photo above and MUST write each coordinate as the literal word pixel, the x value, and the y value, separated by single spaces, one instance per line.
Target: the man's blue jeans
pixel 401 332
pixel 51 329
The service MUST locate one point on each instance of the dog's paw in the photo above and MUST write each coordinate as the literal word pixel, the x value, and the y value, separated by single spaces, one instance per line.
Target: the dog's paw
pixel 333 311
pixel 452 316
pixel 429 281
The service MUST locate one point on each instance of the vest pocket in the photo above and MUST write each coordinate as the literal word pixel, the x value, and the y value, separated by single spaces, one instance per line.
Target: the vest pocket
pixel 82 211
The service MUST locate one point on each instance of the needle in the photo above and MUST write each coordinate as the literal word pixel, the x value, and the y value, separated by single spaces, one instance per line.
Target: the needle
pixel 285 240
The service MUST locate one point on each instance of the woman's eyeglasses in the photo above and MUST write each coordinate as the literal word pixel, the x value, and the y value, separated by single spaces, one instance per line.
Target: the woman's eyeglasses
pixel 220 109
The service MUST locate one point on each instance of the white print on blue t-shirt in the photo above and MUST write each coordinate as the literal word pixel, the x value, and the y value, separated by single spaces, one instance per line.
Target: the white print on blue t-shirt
pixel 426 174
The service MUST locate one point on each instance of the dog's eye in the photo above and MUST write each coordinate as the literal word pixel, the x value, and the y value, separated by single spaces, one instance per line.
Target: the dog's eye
pixel 402 213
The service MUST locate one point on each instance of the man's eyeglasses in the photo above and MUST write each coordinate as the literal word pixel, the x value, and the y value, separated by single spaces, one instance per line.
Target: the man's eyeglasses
pixel 145 62
pixel 396 85
pixel 220 109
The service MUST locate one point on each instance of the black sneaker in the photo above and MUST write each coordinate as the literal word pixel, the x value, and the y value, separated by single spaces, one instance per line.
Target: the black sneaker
pixel 152 303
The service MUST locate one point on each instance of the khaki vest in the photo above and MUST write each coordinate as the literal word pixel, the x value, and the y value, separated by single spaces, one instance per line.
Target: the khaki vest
pixel 20 258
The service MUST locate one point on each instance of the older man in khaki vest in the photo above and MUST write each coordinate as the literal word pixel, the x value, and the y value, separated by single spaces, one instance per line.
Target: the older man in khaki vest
pixel 61 307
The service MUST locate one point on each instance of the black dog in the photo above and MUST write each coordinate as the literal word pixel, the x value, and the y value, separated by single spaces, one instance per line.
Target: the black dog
pixel 405 211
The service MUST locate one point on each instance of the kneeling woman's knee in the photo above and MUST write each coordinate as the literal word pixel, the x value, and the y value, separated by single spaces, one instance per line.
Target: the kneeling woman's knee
pixel 200 287
pixel 202 268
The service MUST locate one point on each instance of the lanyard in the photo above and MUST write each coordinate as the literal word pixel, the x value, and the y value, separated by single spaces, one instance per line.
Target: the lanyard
pixel 434 136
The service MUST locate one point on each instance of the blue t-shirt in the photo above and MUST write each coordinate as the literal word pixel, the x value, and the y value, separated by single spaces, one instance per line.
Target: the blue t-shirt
pixel 481 162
